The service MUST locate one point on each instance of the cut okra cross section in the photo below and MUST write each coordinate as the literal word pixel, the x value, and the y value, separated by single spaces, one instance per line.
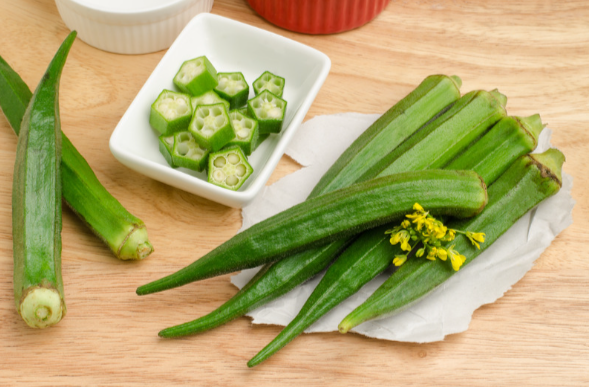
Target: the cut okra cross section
pixel 210 126
pixel 233 88
pixel 270 82
pixel 268 110
pixel 246 131
pixel 170 113
pixel 208 98
pixel 166 145
pixel 188 153
pixel 229 168
pixel 196 76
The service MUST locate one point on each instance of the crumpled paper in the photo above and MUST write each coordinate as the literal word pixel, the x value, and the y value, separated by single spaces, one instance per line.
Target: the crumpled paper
pixel 449 308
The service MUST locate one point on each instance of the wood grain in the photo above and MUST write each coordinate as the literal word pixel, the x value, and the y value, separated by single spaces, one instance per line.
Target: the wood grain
pixel 536 52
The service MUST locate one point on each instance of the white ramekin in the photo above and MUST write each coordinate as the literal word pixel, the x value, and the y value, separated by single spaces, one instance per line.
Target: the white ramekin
pixel 130 26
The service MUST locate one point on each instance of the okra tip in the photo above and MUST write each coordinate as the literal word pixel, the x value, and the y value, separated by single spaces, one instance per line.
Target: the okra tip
pixel 136 246
pixel 533 124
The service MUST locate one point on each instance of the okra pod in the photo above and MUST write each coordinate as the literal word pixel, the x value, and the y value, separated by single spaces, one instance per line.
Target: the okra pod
pixel 371 253
pixel 530 180
pixel 336 215
pixel 36 203
pixel 123 233
pixel 398 124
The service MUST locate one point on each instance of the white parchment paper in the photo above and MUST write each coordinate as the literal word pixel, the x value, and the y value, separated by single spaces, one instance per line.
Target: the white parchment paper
pixel 448 309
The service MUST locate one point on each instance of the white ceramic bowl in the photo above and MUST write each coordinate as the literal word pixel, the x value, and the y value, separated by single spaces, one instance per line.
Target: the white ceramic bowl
pixel 230 46
pixel 130 26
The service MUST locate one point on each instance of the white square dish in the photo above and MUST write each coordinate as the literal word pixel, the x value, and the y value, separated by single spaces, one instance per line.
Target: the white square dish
pixel 230 46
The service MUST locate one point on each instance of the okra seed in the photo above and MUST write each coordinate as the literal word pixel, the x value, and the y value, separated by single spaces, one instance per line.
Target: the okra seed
pixel 242 133
pixel 233 158
pixel 219 175
pixel 183 149
pixel 249 124
pixel 275 113
pixel 232 180
pixel 169 140
pixel 219 161
pixel 240 170
pixel 262 114
pixel 216 111
pixel 181 110
pixel 208 132
pixel 220 121
pixel 237 125
pixel 184 137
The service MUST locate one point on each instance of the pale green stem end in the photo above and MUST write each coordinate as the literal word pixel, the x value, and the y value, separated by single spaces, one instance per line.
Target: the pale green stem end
pixel 136 246
pixel 41 307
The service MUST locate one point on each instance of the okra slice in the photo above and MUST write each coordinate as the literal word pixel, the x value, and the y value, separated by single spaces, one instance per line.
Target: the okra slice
pixel 271 82
pixel 171 112
pixel 208 98
pixel 229 168
pixel 210 126
pixel 268 110
pixel 233 88
pixel 246 131
pixel 196 76
pixel 187 153
pixel 166 145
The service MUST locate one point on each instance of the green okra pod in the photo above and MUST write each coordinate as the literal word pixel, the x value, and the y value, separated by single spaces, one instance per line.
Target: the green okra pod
pixel 123 233
pixel 371 253
pixel 398 124
pixel 528 181
pixel 336 215
pixel 36 203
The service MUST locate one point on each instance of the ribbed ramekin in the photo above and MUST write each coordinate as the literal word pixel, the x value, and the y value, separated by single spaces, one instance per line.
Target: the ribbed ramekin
pixel 318 16
pixel 150 27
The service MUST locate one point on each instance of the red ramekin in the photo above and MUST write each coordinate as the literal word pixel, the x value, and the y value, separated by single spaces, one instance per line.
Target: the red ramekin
pixel 318 16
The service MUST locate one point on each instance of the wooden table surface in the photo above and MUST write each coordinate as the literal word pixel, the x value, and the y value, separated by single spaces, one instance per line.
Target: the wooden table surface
pixel 536 52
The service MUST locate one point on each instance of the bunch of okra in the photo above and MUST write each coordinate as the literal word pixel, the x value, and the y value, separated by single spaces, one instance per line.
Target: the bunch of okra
pixel 433 146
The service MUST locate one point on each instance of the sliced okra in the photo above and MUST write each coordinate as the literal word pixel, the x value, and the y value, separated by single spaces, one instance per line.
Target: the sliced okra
pixel 196 76
pixel 246 131
pixel 166 145
pixel 208 98
pixel 188 153
pixel 210 126
pixel 271 82
pixel 268 110
pixel 233 88
pixel 229 168
pixel 170 113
